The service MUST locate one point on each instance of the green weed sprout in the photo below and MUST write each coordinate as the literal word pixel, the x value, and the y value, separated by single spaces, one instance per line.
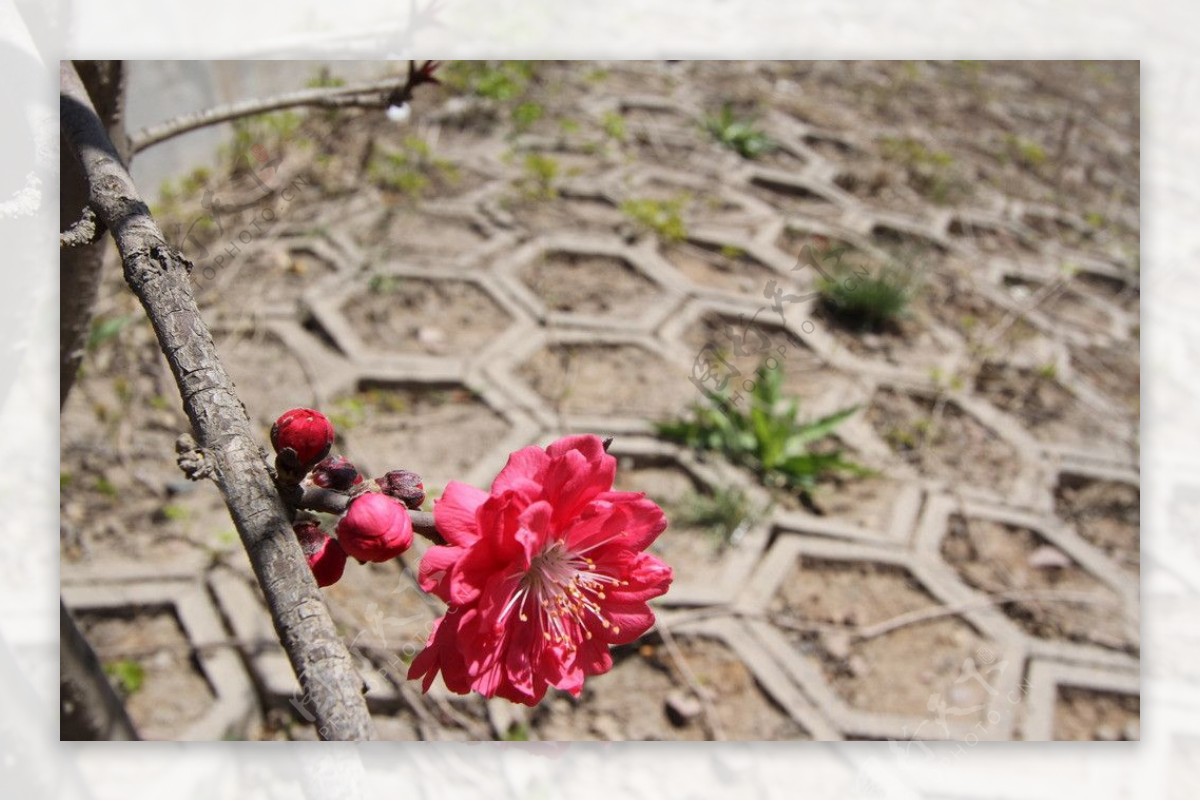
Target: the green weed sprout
pixel 738 135
pixel 765 436
pixel 869 299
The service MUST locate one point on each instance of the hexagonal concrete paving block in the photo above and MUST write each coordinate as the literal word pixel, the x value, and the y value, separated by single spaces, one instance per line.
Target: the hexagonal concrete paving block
pixel 722 265
pixel 1072 702
pixel 396 309
pixel 798 194
pixel 958 441
pixel 731 342
pixel 575 281
pixel 1065 594
pixel 1055 304
pixel 190 667
pixel 1103 507
pixel 588 380
pixel 867 637
pixel 1060 416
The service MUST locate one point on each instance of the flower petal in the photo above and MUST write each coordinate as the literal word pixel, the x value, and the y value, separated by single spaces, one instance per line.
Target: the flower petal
pixel 534 532
pixel 589 445
pixel 436 567
pixel 571 482
pixel 627 621
pixel 455 513
pixel 442 653
pixel 594 657
pixel 524 466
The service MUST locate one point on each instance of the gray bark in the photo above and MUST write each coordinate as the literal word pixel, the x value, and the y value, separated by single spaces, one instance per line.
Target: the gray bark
pixel 158 274
pixel 79 266
pixel 89 708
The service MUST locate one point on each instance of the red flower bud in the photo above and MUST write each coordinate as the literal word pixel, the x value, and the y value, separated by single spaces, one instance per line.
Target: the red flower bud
pixel 306 431
pixel 375 528
pixel 336 473
pixel 405 486
pixel 325 556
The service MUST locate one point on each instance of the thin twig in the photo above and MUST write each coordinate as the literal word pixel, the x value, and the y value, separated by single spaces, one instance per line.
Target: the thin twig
pixel 360 96
pixel 863 633
pixel 932 613
pixel 375 95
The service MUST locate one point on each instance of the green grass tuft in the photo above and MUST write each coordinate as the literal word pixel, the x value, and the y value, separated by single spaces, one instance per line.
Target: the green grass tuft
pixel 722 514
pixel 740 136
pixel 869 300
pixel 127 674
pixel 663 218
pixel 765 435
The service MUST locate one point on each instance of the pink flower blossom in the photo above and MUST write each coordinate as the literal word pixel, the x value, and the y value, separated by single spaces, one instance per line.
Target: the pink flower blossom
pixel 375 528
pixel 542 574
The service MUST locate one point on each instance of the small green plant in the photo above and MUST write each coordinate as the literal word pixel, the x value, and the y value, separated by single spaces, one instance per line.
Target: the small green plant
pixel 127 674
pixel 410 170
pixel 106 328
pixel 868 299
pixel 721 514
pixel 912 436
pixel 1048 371
pixel 517 732
pixel 930 172
pixel 174 512
pixel 540 172
pixel 195 181
pixel 324 79
pixel 1024 151
pixel 664 218
pixel 614 126
pixel 227 538
pixel 738 135
pixel 354 410
pixel 106 488
pixel 495 80
pixel 261 135
pixel 382 284
pixel 123 389
pixel 524 115
pixel 766 437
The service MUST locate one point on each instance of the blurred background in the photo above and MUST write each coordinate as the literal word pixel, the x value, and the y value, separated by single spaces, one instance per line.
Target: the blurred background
pixel 868 331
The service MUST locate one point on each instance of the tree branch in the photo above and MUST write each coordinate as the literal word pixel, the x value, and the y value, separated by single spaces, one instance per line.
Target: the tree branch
pixel 90 709
pixel 377 95
pixel 83 231
pixel 158 276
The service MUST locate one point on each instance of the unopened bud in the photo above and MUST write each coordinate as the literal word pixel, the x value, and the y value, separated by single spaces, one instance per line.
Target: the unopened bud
pixel 306 431
pixel 405 486
pixel 375 528
pixel 336 473
pixel 325 555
